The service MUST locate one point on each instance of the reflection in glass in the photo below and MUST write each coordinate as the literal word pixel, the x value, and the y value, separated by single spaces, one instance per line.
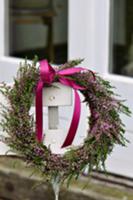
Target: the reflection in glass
pixel 122 37
pixel 39 27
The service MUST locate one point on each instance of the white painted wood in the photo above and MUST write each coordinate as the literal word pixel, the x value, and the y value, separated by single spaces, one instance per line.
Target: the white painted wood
pixel 57 95
pixel 8 69
pixel 55 136
pixel 54 139
pixel 4 28
pixel 9 66
pixel 53 97
pixel 81 31
pixel 124 87
pixel 2 21
pixel 87 32
pixel 121 160
pixel 89 37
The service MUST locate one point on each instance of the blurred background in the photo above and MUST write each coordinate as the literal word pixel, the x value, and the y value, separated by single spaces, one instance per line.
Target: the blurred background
pixel 39 27
pixel 101 31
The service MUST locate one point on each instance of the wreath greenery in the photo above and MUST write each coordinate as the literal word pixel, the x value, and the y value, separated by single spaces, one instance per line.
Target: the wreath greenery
pixel 106 128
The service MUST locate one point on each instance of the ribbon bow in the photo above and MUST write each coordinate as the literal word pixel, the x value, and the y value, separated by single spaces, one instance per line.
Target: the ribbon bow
pixel 47 76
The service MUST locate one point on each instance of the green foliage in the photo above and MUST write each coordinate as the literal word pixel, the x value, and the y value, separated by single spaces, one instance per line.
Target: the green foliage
pixel 106 128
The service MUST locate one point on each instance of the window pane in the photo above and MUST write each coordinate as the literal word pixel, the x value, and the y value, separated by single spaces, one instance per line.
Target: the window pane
pixel 122 51
pixel 39 27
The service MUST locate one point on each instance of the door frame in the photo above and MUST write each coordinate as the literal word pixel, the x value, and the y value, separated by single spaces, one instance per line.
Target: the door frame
pixel 89 38
pixel 92 37
pixel 93 42
pixel 4 21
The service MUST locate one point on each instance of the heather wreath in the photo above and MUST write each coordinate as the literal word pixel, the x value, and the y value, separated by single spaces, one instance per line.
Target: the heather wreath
pixel 104 131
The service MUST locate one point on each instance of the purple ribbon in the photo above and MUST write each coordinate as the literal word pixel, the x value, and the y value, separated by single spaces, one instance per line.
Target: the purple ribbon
pixel 47 76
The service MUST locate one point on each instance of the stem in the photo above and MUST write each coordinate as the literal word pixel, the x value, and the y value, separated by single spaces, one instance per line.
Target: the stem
pixel 56 186
pixel 56 196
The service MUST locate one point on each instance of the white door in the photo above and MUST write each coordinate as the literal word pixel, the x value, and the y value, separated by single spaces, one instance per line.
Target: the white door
pixel 9 66
pixel 94 34
pixel 90 37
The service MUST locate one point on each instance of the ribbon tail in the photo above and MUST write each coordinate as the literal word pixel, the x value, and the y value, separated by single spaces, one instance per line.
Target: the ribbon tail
pixel 75 121
pixel 39 111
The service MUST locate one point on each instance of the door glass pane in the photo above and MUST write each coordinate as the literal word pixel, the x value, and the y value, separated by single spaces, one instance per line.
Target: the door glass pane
pixel 39 27
pixel 122 51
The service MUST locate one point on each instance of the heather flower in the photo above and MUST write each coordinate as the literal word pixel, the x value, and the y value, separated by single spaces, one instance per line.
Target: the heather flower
pixel 105 125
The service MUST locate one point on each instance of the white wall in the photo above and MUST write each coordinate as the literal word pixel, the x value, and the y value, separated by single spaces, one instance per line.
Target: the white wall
pixel 22 35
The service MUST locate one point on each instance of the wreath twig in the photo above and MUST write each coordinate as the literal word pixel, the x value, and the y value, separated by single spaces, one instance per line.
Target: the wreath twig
pixel 105 126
